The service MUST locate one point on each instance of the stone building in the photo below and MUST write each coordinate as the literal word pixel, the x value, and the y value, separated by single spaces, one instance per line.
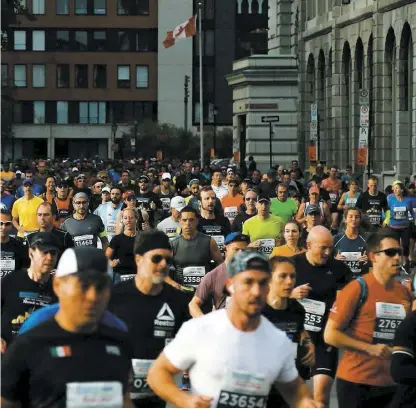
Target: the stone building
pixel 343 49
pixel 339 48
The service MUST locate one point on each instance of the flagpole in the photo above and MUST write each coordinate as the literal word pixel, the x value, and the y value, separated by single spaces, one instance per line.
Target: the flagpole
pixel 201 99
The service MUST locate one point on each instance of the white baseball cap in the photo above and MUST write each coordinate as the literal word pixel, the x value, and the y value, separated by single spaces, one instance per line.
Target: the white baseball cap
pixel 166 176
pixel 177 203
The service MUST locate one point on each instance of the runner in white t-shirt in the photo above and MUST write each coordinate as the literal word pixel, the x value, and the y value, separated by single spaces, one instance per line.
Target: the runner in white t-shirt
pixel 233 355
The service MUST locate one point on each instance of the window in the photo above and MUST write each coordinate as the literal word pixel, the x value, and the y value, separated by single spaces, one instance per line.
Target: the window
pixel 133 7
pixel 62 76
pixel 99 41
pixel 62 6
pixel 142 76
pixel 20 75
pixel 22 112
pixel 92 112
pixel 38 76
pixel 146 40
pixel 81 76
pixel 81 41
pixel 99 7
pixel 62 40
pixel 81 6
pixel 20 40
pixel 100 76
pixel 38 112
pixel 62 112
pixel 4 75
pixel 124 43
pixel 38 6
pixel 38 40
pixel 123 76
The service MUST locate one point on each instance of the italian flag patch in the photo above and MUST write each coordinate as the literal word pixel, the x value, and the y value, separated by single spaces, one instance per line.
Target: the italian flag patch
pixel 61 352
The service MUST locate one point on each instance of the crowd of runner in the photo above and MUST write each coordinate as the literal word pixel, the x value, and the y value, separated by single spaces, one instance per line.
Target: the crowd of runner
pixel 140 283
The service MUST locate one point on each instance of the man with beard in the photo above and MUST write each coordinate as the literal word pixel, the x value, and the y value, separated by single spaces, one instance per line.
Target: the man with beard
pixel 152 310
pixel 83 226
pixel 109 211
pixel 215 225
pixel 149 201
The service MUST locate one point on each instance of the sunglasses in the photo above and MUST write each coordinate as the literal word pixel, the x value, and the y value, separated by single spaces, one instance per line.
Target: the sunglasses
pixel 61 186
pixel 81 203
pixel 6 224
pixel 391 252
pixel 130 198
pixel 251 199
pixel 51 252
pixel 157 258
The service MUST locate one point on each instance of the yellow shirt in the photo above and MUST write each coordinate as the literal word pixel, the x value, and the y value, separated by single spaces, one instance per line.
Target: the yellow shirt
pixel 285 251
pixel 7 176
pixel 26 211
pixel 256 228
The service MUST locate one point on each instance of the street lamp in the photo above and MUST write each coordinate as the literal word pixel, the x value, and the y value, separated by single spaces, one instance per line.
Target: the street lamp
pixel 215 112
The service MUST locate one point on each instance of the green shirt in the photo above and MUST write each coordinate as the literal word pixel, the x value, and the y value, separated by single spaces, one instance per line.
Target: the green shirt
pixel 256 228
pixel 285 210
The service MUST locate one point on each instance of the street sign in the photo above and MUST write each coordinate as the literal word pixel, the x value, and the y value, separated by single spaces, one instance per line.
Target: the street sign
pixel 364 115
pixel 364 97
pixel 314 112
pixel 274 118
pixel 363 137
pixel 314 130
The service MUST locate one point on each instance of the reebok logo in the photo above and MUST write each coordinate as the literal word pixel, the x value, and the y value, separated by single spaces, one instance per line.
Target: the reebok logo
pixel 165 313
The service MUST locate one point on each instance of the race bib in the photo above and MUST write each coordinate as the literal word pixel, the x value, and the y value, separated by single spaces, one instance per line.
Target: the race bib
pixel 400 213
pixel 351 202
pixel 388 318
pixel 351 260
pixel 111 227
pixel 220 242
pixel 266 246
pixel 140 389
pixel 127 277
pixel 7 263
pixel 192 276
pixel 333 197
pixel 375 218
pixel 315 311
pixel 94 395
pixel 243 390
pixel 85 240
pixel 165 203
pixel 231 213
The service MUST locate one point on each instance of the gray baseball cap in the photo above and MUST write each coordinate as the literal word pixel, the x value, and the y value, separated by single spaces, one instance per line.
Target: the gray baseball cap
pixel 248 260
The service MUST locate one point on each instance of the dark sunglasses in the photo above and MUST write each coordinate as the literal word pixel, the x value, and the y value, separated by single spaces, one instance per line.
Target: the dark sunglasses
pixel 391 252
pixel 51 252
pixel 130 198
pixel 59 186
pixel 157 258
pixel 6 223
pixel 81 203
pixel 252 199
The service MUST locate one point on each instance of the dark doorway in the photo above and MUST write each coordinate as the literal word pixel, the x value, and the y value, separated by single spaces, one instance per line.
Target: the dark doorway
pixel 61 148
pixel 34 148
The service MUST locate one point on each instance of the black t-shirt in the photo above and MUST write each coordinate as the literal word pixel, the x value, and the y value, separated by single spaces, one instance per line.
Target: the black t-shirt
pixel 325 281
pixel 268 188
pixel 48 367
pixel 63 239
pixel 406 337
pixel 217 228
pixel 123 250
pixel 291 321
pixel 21 295
pixel 152 322
pixel 144 201
pixel 12 256
pixel 372 206
pixel 237 225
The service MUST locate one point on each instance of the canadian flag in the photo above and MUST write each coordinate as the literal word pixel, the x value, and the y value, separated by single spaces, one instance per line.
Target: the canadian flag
pixel 184 30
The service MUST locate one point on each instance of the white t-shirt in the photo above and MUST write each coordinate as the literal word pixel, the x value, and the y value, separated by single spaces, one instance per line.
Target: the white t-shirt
pixel 221 191
pixel 169 227
pixel 235 368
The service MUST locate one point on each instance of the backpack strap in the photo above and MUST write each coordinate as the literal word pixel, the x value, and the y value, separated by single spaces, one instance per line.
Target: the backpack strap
pixel 363 297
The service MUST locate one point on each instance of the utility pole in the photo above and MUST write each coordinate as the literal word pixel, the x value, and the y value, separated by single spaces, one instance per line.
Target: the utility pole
pixel 185 100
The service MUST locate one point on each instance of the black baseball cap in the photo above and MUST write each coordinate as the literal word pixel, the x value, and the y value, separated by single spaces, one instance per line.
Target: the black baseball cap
pixel 144 178
pixel 263 199
pixel 45 241
pixel 313 209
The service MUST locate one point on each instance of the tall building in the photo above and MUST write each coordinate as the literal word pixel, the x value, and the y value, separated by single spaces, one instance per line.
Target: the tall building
pixel 357 62
pixel 80 74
